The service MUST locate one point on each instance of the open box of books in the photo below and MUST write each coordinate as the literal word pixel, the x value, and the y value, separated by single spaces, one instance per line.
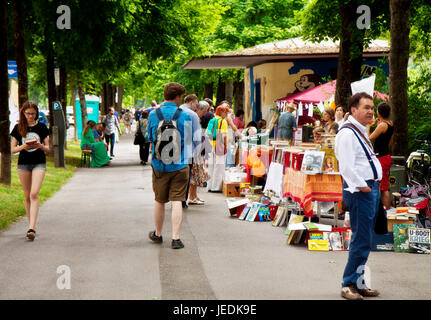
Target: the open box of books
pixel 338 239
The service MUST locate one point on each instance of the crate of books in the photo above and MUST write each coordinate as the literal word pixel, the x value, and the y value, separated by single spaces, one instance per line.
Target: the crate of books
pixel 338 239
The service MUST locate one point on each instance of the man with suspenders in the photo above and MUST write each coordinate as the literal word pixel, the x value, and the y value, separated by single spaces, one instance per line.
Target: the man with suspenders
pixel 362 172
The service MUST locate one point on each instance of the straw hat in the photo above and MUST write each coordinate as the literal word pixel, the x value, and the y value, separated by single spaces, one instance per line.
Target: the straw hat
pixel 291 106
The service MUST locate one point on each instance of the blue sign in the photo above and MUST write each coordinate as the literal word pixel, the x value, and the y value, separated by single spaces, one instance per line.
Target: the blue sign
pixel 12 69
pixel 56 105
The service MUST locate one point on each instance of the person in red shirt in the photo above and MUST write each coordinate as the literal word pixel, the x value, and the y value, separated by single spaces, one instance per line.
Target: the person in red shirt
pixel 239 119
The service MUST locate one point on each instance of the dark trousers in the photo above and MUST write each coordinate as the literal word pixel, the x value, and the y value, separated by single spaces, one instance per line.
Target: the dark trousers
pixel 188 184
pixel 144 151
pixel 363 208
pixel 110 138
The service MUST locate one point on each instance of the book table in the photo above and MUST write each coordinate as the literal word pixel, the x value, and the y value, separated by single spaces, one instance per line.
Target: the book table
pixel 305 188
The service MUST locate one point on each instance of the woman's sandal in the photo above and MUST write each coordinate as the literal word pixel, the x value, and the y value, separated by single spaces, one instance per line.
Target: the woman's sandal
pixel 195 201
pixel 31 234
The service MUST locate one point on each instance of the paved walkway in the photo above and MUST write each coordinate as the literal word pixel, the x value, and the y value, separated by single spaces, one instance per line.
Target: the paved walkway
pixel 97 225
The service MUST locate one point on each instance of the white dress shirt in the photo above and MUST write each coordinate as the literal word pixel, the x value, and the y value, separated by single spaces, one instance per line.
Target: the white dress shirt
pixel 353 163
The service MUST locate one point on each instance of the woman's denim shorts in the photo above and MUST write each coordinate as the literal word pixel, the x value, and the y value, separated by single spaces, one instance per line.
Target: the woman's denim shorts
pixel 31 167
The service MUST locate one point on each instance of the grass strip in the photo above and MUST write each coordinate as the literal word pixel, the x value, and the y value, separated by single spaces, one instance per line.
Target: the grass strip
pixel 12 197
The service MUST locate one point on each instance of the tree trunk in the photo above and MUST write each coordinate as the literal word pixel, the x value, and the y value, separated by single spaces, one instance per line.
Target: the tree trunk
pixel 84 115
pixel 120 93
pixel 63 97
pixel 51 88
pixel 104 105
pixel 239 94
pixel 221 91
pixel 398 60
pixel 73 104
pixel 209 90
pixel 5 175
pixel 229 91
pixel 350 54
pixel 21 60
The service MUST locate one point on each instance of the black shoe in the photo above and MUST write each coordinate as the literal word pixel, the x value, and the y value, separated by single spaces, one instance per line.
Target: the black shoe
pixel 112 155
pixel 185 206
pixel 31 234
pixel 177 244
pixel 155 238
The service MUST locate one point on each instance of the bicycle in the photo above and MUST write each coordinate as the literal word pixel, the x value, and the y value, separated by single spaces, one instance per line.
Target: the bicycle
pixel 419 166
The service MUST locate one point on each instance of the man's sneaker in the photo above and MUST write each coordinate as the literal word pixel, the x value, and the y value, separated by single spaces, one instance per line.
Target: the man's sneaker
pixel 155 238
pixel 177 244
pixel 185 206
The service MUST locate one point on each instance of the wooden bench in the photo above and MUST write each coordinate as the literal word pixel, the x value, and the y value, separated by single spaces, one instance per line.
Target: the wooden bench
pixel 86 156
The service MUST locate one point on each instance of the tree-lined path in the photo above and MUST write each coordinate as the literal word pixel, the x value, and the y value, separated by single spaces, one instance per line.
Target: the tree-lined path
pixel 98 225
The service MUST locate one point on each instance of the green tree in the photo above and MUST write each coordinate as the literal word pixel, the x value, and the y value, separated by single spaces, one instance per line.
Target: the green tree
pixel 5 170
pixel 337 20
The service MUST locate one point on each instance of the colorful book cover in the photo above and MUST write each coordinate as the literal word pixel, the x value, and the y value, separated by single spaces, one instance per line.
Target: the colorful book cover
pixel 316 236
pixel 330 163
pixel 244 212
pixel 419 240
pixel 318 245
pixel 346 239
pixel 264 213
pixel 401 237
pixel 335 241
pixel 253 211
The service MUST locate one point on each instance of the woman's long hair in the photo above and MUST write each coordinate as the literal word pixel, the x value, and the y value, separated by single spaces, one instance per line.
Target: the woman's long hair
pixel 90 125
pixel 22 123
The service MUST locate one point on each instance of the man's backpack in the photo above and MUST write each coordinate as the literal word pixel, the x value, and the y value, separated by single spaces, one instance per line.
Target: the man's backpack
pixel 167 144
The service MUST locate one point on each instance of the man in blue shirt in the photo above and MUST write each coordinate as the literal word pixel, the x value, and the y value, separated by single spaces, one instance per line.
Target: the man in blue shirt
pixel 170 179
pixel 287 124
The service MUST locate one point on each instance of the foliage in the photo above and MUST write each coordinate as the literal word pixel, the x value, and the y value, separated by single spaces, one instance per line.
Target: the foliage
pixel 419 98
pixel 420 30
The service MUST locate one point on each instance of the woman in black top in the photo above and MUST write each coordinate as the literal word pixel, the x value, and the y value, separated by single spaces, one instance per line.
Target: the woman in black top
pixel 31 139
pixel 382 138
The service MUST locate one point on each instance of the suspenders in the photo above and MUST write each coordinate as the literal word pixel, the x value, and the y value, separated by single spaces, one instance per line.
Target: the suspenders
pixel 373 167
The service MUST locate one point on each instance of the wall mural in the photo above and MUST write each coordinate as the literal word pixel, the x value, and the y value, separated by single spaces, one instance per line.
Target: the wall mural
pixel 306 82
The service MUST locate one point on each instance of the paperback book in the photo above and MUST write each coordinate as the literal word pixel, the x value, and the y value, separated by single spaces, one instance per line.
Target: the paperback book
pixel 255 206
pixel 245 212
pixel 401 237
pixel 419 240
pixel 312 162
pixel 335 241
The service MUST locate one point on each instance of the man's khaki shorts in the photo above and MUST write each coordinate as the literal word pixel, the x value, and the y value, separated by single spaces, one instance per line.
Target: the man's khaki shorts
pixel 170 186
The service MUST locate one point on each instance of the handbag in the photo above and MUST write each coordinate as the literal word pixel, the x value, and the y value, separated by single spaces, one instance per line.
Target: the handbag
pixel 139 139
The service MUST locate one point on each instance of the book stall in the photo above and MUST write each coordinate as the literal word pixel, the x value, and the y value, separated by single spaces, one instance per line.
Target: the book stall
pixel 298 187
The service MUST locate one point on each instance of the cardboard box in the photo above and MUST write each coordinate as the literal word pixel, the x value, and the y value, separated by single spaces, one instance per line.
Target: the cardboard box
pixel 391 223
pixel 231 189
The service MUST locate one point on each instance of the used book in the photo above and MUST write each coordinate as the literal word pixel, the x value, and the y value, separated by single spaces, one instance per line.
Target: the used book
pixel 312 162
pixel 330 163
pixel 401 237
pixel 280 216
pixel 419 240
pixel 318 245
pixel 251 216
pixel 335 241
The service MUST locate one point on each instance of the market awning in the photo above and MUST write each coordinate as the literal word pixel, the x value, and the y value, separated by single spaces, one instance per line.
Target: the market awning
pixel 321 93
